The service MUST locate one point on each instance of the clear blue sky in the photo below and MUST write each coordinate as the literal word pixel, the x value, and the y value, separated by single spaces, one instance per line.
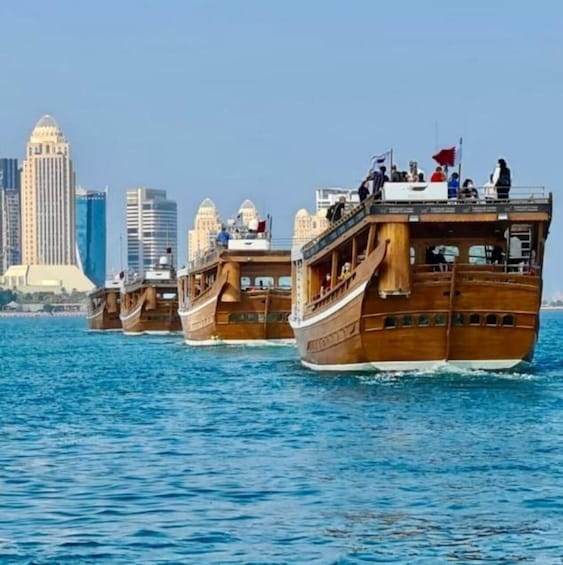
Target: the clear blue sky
pixel 267 100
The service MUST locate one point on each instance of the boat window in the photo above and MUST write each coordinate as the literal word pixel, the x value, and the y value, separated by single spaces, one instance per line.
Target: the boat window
pixel 451 252
pixel 168 295
pixel 245 282
pixel 264 282
pixel 508 320
pixel 477 255
pixel 389 322
pixel 423 320
pixel 407 321
pixel 413 256
pixel 458 319
pixel 475 320
pixel 284 282
pixel 244 317
pixel 491 320
pixel 440 320
pixel 277 316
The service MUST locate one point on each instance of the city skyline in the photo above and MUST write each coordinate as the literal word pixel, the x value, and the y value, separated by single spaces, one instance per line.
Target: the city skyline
pixel 293 97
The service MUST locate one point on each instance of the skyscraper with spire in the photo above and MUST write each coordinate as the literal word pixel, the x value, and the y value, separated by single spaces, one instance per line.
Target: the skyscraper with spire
pixel 48 198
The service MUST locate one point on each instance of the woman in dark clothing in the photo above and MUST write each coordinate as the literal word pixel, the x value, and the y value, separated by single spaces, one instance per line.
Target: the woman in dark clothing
pixel 502 180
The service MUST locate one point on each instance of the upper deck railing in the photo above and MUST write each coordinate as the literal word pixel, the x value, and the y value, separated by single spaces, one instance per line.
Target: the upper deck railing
pixel 212 254
pixel 522 199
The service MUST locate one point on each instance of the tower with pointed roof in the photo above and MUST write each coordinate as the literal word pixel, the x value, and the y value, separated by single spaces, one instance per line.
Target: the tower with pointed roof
pixel 48 223
pixel 247 212
pixel 206 226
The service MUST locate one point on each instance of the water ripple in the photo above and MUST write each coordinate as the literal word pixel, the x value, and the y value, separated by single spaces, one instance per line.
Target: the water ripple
pixel 122 450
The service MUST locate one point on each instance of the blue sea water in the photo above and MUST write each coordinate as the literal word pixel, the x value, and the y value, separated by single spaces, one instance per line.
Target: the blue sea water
pixel 120 449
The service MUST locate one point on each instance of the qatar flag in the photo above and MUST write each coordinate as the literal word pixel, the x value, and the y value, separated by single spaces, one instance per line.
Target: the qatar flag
pixel 445 157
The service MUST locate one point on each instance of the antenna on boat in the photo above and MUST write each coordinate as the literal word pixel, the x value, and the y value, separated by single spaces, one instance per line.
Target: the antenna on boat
pixel 458 158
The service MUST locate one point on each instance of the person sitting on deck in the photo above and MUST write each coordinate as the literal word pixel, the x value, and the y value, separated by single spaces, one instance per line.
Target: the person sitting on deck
pixel 468 191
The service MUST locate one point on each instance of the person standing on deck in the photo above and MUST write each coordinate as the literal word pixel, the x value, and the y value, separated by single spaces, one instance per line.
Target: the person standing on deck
pixel 502 180
pixel 223 237
pixel 453 186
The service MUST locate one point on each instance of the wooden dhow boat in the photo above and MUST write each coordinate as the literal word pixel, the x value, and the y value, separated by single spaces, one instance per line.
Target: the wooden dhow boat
pixel 103 307
pixel 237 293
pixel 425 281
pixel 150 304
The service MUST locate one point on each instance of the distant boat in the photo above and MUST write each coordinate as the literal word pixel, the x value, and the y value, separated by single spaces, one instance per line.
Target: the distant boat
pixel 150 304
pixel 237 293
pixel 413 280
pixel 103 307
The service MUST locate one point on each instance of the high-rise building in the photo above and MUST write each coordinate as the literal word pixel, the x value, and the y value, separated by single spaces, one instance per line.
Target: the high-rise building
pixel 152 227
pixel 247 213
pixel 48 198
pixel 9 214
pixel 307 226
pixel 91 233
pixel 207 225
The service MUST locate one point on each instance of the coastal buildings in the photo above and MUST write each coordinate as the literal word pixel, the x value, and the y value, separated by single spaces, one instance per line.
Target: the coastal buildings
pixel 91 233
pixel 206 226
pixel 9 214
pixel 152 227
pixel 308 225
pixel 48 259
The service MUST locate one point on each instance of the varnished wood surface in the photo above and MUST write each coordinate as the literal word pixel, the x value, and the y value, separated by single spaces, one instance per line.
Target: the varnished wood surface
pixel 357 332
pixel 225 311
pixel 103 310
pixel 143 311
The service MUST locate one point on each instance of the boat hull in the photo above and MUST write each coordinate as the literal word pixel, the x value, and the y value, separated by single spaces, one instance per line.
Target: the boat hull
pixel 256 317
pixel 103 310
pixel 102 320
pixel 144 310
pixel 366 332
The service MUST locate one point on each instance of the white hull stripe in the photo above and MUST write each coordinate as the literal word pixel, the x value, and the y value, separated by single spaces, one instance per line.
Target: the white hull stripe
pixel 330 311
pixel 473 364
pixel 210 342
pixel 191 311
pixel 96 315
pixel 133 313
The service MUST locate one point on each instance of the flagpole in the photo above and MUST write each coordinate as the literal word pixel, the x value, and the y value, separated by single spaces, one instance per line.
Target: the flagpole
pixel 459 164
